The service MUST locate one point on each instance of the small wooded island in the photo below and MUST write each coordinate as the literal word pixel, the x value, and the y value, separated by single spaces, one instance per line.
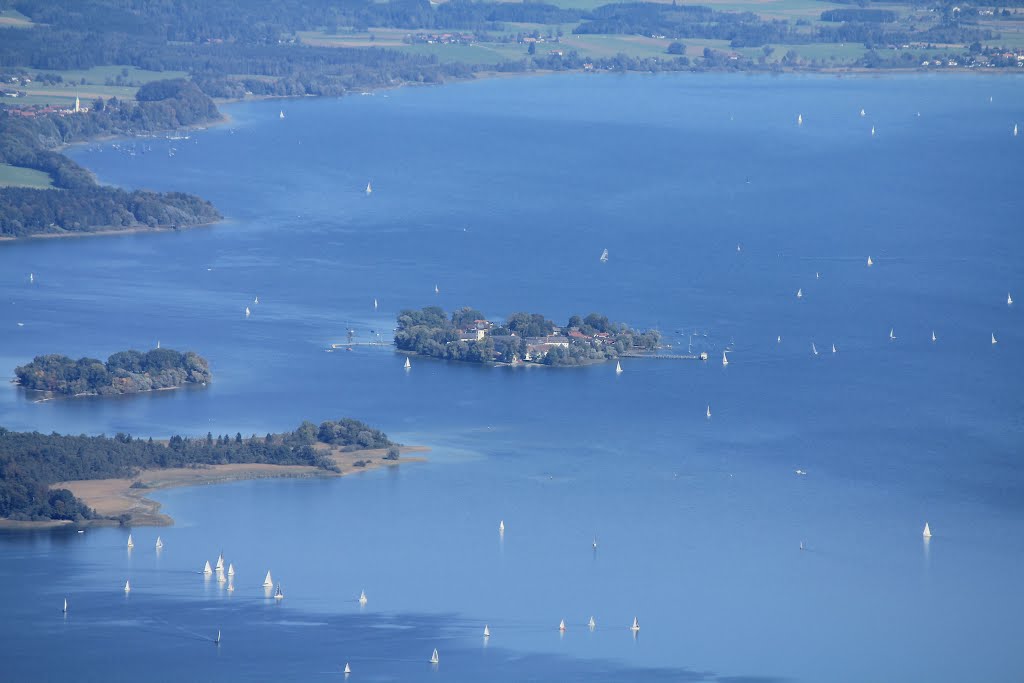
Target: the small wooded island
pixel 522 338
pixel 125 372
pixel 32 463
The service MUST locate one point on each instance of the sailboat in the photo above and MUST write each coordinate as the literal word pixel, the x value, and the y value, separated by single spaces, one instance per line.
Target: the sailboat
pixel 217 641
pixel 1009 299
pixel 437 290
pixel 636 625
pixel 434 659
pixel 618 368
pixel 256 300
pixel 802 545
pixel 362 597
pixel 347 670
pixel 220 562
pixel 725 359
pixel 833 348
pixel 267 582
pixel 800 293
pixel 231 570
pixel 207 569
pixel 65 605
pixel 1015 130
pixel 369 188
pixel 375 304
pixel 709 410
pixel 778 340
pixel 872 130
pixel 604 256
pixel 994 338
pixel 870 262
pixel 278 595
pixel 892 335
pixel 281 114
pixel 933 335
pixel 128 586
pixel 131 544
pixel 799 119
pixel 487 631
pixel 561 625
pixel 591 624
pixel 158 343
pixel 501 527
pixel 927 533
pixel 814 349
pixel 159 543
pixel 863 113
pixel 32 276
pixel 407 364
pixel 594 543
pixel 247 312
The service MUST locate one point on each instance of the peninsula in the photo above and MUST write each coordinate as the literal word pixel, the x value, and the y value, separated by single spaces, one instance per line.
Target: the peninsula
pixel 523 338
pixel 125 372
pixel 52 479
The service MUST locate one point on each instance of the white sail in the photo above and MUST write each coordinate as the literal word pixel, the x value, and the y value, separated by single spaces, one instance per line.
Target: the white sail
pixel 604 256
pixel 501 527
pixel 636 625
pixel 892 333
pixel 159 543
pixel 872 130
pixel 362 597
pixel 158 343
pixel 1015 130
pixel 247 312
pixel 348 669
pixel 594 544
pixel 993 338
pixel 131 544
pixel 592 624
pixel 437 290
pixel 65 604
pixel 369 188
pixel 434 659
pixel 561 625
pixel 32 276
pixel 267 582
pixel 231 570
pixel 217 641
pixel 778 340
pixel 725 359
pixel 814 349
pixel 487 631
pixel 927 533
pixel 870 262
pixel 278 595
pixel 207 569
pixel 375 304
pixel 800 293
pixel 709 410
pixel 799 119
pixel 407 364
pixel 833 348
pixel 618 368
pixel 863 113
pixel 256 300
pixel 933 335
pixel 801 545
pixel 1009 299
pixel 280 114
pixel 220 562
pixel 128 586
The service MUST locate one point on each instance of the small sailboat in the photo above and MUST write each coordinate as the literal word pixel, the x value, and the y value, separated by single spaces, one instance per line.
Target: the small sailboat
pixel 375 305
pixel 362 597
pixel 802 545
pixel 407 364
pixel 594 543
pixel 1009 299
pixel 256 300
pixel 892 334
pixel 561 625
pixel 207 569
pixel 927 533
pixel 278 595
pixel 434 659
pixel 217 640
pixel 604 256
pixel 870 262
pixel 863 113
pixel 159 543
pixel 817 276
pixel 347 670
pixel 994 338
pixel 1015 130
pixel 725 359
pixel 247 312
pixel 220 562
pixel 799 119
pixel 814 349
pixel 32 276
pixel 280 114
pixel 487 631
pixel 933 335
pixel 800 293
pixel 833 348
pixel 128 586
pixel 778 340
pixel 231 570
pixel 65 605
pixel 131 543
pixel 369 188
pixel 872 131
pixel 709 410
pixel 437 290
pixel 636 625
pixel 591 624
pixel 267 582
pixel 618 368
pixel 739 247
pixel 158 343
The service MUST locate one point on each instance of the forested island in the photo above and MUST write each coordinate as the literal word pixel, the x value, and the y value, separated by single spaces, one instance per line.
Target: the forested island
pixel 522 338
pixel 125 372
pixel 31 462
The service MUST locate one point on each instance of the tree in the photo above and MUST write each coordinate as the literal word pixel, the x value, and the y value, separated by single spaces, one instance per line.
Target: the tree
pixel 676 48
pixel 532 50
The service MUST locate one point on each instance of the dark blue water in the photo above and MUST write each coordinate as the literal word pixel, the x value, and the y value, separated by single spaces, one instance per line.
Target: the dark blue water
pixel 503 194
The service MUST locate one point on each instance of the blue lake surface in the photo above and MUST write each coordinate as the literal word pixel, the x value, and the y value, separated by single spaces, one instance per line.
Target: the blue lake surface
pixel 503 194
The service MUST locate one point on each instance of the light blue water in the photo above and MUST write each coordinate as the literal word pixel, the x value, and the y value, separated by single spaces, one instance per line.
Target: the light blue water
pixel 504 193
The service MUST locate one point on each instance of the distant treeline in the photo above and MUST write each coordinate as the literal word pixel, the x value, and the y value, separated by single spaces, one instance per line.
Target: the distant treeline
pixel 31 462
pixel 864 15
pixel 125 372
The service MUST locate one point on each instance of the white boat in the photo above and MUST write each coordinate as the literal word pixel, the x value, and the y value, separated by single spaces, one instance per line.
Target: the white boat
pixel 220 562
pixel 267 582
pixel 802 545
pixel 375 304
pixel 1009 299
pixel 872 130
pixel 800 293
pixel 1015 130
pixel 434 659
pixel 933 335
pixel 591 624
pixel 814 349
pixel 927 533
pixel 604 256
pixel 159 543
pixel 802 473
pixel 870 262
pixel 778 340
pixel 278 595
pixel 158 343
pixel 32 276
pixel 347 670
pixel 799 119
pixel 131 544
pixel 247 312
pixel 437 290
pixel 994 338
pixel 709 410
pixel 817 276
pixel 362 597
pixel 128 586
pixel 280 115
pixel 207 569
pixel 892 334
pixel 561 625
pixel 618 368
pixel 501 527
pixel 369 188
pixel 65 604
pixel 594 543
pixel 217 639
pixel 863 113
pixel 407 364
pixel 833 348
pixel 739 247
pixel 636 625
pixel 725 359
pixel 487 631
pixel 256 300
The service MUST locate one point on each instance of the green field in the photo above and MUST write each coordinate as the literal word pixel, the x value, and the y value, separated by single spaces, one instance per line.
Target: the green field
pixel 89 84
pixel 13 176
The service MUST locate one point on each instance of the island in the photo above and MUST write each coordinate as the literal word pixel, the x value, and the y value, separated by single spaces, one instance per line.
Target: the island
pixel 523 338
pixel 52 479
pixel 125 372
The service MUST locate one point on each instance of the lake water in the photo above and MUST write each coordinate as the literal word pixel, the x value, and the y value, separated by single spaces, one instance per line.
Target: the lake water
pixel 503 194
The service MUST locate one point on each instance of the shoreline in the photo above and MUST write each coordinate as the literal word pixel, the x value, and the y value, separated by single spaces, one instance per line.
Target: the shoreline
pixel 113 498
